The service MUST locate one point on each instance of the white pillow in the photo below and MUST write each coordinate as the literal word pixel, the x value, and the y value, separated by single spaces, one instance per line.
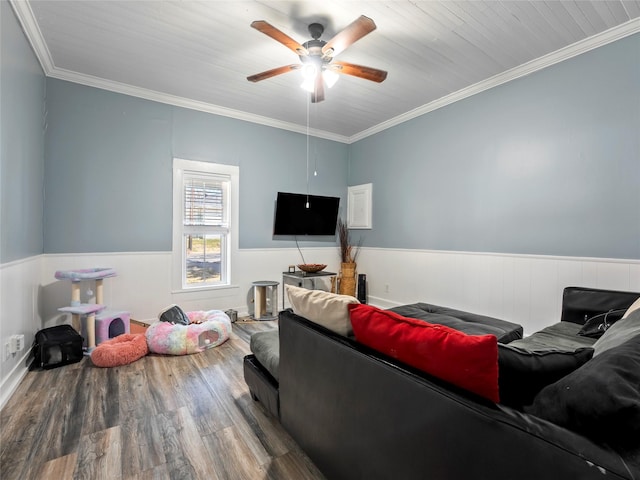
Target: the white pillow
pixel 324 308
pixel 634 306
pixel 618 333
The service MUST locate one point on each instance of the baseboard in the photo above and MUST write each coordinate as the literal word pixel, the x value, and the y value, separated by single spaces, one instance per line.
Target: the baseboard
pixel 11 382
pixel 382 302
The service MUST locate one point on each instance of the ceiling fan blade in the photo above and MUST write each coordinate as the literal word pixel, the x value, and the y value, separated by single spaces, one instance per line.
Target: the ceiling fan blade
pixel 367 73
pixel 278 36
pixel 318 90
pixel 349 35
pixel 272 73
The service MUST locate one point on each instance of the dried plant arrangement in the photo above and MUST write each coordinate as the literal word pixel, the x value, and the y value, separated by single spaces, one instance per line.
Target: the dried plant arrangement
pixel 348 250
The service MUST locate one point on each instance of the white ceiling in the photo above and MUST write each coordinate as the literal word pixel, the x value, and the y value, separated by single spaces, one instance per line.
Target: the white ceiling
pixel 198 54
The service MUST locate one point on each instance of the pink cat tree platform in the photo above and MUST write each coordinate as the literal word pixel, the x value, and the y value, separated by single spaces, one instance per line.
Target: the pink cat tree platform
pixel 101 324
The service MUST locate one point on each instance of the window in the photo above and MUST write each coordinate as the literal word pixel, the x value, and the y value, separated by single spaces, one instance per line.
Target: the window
pixel 203 223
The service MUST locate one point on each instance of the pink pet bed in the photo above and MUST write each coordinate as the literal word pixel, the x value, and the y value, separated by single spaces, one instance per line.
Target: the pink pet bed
pixel 207 329
pixel 121 350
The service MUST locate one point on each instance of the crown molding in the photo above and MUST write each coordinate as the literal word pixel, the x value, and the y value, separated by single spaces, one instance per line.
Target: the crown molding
pixel 27 20
pixel 30 27
pixel 146 94
pixel 570 51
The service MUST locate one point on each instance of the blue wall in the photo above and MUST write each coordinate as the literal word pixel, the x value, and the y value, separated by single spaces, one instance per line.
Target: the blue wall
pixel 22 100
pixel 108 170
pixel 547 164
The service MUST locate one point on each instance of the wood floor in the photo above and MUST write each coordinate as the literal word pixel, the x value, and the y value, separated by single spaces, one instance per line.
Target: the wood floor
pixel 162 417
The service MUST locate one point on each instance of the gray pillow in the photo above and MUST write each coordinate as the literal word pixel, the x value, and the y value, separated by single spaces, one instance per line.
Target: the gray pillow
pixel 601 399
pixel 618 333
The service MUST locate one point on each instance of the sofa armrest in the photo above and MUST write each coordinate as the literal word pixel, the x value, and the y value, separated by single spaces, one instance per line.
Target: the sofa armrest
pixel 581 303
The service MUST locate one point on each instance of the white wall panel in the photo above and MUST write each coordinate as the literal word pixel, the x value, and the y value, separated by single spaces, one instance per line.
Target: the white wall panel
pixel 634 276
pixel 590 274
pixel 509 304
pixel 19 293
pixel 143 282
pixel 141 285
pixel 544 293
pixel 525 289
pixel 613 274
pixel 495 295
pixel 570 272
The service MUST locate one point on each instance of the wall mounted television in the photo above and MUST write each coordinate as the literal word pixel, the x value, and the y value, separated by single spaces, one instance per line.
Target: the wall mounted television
pixel 294 217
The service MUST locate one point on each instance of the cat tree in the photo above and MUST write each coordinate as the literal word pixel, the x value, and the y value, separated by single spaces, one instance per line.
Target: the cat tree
pixel 100 323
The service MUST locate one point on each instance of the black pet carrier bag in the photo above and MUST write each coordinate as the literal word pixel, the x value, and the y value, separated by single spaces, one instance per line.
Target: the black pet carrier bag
pixel 57 346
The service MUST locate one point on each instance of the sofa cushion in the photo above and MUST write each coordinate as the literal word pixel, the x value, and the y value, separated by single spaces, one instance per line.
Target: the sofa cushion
pixel 266 348
pixel 601 399
pixel 469 323
pixel 523 373
pixel 467 361
pixel 324 308
pixel 618 333
pixel 559 336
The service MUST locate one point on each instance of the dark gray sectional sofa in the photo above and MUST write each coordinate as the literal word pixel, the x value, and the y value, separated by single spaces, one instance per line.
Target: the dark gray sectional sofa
pixel 359 414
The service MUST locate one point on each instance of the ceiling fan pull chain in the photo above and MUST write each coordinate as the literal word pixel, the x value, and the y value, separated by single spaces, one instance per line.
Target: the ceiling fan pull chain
pixel 315 148
pixel 307 204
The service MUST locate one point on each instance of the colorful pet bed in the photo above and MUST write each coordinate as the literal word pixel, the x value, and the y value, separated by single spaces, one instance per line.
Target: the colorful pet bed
pixel 121 350
pixel 206 329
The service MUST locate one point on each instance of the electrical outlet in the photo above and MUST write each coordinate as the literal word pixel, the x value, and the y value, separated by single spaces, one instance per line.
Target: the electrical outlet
pixel 386 288
pixel 6 350
pixel 17 343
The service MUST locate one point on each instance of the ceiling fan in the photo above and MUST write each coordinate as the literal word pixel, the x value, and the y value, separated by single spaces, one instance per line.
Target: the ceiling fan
pixel 317 56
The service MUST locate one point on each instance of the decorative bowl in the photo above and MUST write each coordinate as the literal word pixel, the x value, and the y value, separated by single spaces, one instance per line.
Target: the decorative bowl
pixel 312 267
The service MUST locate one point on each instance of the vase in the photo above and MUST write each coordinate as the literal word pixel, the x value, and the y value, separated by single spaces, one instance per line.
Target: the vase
pixel 347 284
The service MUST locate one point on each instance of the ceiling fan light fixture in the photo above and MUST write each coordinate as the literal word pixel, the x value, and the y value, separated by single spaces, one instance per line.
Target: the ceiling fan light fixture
pixel 330 77
pixel 309 71
pixel 308 84
pixel 317 56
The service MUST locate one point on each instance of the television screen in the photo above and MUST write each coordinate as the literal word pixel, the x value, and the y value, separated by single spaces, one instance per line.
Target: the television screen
pixel 294 216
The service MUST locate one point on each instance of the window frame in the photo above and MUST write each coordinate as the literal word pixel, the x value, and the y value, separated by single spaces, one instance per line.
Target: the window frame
pixel 183 169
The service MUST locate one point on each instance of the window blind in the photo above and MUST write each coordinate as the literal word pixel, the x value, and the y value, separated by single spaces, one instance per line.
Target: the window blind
pixel 204 201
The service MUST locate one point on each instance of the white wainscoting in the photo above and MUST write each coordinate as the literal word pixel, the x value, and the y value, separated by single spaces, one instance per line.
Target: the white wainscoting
pixel 19 293
pixel 525 289
pixel 143 282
